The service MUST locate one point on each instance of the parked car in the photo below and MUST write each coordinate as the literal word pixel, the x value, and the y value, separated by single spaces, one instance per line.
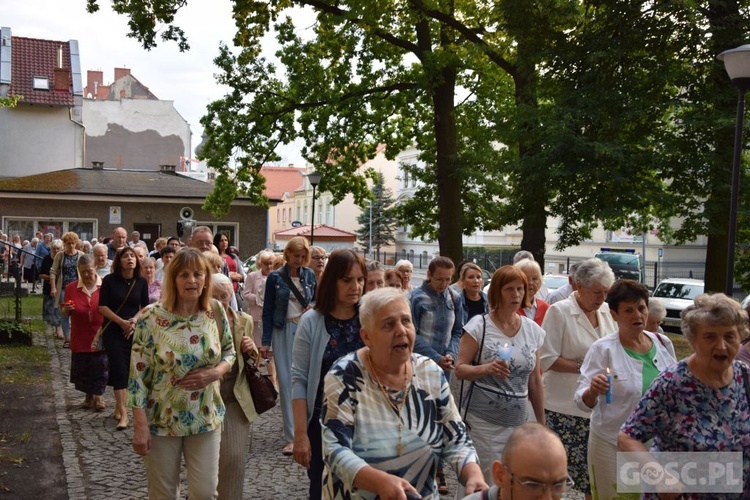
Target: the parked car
pixel 624 265
pixel 555 281
pixel 676 294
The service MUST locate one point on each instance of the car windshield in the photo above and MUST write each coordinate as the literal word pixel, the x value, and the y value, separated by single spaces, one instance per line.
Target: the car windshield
pixel 678 291
pixel 555 282
pixel 622 259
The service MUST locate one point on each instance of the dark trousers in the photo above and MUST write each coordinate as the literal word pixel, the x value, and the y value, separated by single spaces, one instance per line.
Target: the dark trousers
pixel 315 472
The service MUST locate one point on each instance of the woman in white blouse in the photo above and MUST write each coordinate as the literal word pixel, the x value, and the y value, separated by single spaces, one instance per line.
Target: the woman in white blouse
pixel 634 357
pixel 571 326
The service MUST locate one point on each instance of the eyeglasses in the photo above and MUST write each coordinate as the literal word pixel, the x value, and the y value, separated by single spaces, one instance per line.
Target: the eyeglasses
pixel 536 489
pixel 319 257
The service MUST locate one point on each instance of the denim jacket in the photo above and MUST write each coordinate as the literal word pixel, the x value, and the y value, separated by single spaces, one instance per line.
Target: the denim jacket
pixel 276 298
pixel 432 313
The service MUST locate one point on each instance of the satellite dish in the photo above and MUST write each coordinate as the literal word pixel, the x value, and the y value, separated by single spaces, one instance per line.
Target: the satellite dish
pixel 296 223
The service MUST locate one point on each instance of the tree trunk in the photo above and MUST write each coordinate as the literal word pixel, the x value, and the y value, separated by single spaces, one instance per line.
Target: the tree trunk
pixel 450 216
pixel 726 28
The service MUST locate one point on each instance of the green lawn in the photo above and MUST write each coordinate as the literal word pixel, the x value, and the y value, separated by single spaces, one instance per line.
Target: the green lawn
pixel 681 346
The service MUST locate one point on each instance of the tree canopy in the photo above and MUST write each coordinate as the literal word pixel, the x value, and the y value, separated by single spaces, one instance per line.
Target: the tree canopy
pixel 607 111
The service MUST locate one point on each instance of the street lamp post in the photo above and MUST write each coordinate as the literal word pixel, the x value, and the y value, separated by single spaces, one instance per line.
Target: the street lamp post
pixel 737 63
pixel 314 179
pixel 370 244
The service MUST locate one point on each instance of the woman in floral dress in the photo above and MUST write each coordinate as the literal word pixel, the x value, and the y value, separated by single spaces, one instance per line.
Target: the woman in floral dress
pixel 181 348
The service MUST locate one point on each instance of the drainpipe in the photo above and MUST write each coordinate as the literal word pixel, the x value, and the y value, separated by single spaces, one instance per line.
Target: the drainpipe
pixel 83 134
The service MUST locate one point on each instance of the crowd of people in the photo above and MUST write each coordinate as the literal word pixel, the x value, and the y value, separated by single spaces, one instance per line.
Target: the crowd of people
pixel 550 390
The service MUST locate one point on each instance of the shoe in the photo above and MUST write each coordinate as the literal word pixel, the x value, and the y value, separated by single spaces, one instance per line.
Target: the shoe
pixel 88 402
pixel 99 404
pixel 442 486
pixel 66 344
pixel 288 450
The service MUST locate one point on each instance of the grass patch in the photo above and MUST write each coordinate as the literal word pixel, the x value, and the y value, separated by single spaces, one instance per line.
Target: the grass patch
pixel 682 347
pixel 31 306
pixel 24 364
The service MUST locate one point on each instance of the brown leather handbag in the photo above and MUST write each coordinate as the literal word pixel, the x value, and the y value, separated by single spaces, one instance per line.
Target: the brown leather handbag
pixel 261 388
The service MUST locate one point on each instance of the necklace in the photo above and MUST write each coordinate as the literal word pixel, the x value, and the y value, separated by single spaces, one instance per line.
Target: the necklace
pixel 397 407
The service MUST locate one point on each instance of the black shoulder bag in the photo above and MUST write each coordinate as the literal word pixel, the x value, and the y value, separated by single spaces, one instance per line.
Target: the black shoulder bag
pixel 474 363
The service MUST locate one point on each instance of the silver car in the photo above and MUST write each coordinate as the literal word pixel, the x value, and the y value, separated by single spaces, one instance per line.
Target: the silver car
pixel 676 294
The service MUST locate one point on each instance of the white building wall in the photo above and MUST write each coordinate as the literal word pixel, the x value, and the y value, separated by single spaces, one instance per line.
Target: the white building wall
pixel 135 133
pixel 36 139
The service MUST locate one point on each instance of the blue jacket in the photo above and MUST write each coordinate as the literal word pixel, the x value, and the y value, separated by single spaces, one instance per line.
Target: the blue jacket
pixel 276 299
pixel 431 314
pixel 310 341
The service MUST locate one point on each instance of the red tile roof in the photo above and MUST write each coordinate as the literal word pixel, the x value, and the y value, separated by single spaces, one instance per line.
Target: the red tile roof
pixel 280 180
pixel 322 231
pixel 33 57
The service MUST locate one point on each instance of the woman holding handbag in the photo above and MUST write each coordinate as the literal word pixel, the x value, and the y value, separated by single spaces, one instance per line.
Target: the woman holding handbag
pixel 124 292
pixel 290 292
pixel 324 335
pixel 499 353
pixel 235 392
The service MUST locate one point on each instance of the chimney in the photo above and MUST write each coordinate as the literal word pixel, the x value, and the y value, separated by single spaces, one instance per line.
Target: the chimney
pixel 168 169
pixel 120 72
pixel 97 165
pixel 93 80
pixel 62 79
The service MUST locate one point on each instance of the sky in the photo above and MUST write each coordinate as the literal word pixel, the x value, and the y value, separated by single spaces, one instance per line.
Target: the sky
pixel 187 78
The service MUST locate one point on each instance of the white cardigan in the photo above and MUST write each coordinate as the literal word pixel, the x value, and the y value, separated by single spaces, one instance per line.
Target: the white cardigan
pixel 627 381
pixel 569 334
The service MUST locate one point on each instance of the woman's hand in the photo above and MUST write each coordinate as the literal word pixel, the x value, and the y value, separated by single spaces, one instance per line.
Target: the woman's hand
pixel 599 384
pixel 302 451
pixel 141 440
pixel 68 307
pixel 128 327
pixel 235 276
pixel 472 475
pixel 266 352
pixel 395 488
pixel 497 368
pixel 247 345
pixel 199 378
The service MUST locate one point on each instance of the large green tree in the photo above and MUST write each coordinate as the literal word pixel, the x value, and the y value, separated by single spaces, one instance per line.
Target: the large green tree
pixel 522 109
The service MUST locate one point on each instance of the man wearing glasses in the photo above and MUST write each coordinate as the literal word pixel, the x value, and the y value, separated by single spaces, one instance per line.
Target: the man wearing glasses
pixel 534 465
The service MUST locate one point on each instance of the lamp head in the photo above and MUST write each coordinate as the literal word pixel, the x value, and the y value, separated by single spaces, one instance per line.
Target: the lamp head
pixel 736 62
pixel 314 178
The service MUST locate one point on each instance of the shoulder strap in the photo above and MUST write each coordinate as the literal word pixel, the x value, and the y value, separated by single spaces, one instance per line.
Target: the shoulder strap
pixel 658 336
pixel 474 362
pixel 288 280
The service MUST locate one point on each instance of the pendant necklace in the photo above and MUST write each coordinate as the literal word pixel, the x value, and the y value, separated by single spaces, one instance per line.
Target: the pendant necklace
pixel 397 407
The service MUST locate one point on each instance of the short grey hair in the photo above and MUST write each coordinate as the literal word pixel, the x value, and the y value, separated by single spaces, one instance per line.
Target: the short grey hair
pixel 594 272
pixel 374 265
pixel 713 309
pixel 656 310
pixel 523 255
pixel 264 255
pixel 372 302
pixel 404 262
pixel 221 280
pixel 100 246
pixel 573 268
pixel 58 243
pixel 85 260
pixel 526 264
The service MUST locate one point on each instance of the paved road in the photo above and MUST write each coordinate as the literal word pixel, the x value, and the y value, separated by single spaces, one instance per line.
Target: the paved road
pixel 100 463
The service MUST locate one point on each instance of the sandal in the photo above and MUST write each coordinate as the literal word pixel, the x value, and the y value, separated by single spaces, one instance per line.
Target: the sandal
pixel 99 404
pixel 66 344
pixel 288 450
pixel 88 402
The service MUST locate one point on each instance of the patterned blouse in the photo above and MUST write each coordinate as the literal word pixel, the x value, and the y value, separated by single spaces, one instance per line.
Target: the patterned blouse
pixel 360 428
pixel 681 413
pixel 165 348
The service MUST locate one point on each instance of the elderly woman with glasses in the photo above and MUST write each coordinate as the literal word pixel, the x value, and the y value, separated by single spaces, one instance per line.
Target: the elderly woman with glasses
pixel 571 326
pixel 406 268
pixel 702 403
pixel 318 261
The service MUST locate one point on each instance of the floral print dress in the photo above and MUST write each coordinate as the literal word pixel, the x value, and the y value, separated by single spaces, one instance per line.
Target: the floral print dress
pixel 165 348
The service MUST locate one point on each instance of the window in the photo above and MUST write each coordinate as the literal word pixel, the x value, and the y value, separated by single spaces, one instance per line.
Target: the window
pixel 406 179
pixel 329 215
pixel 41 83
pixel 298 212
pixel 283 213
pixel 277 215
pixel 26 227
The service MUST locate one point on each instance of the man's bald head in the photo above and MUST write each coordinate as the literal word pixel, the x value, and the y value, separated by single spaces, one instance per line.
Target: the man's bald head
pixel 119 238
pixel 533 453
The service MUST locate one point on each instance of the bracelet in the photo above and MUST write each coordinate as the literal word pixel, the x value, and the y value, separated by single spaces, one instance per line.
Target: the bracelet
pixel 578 364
